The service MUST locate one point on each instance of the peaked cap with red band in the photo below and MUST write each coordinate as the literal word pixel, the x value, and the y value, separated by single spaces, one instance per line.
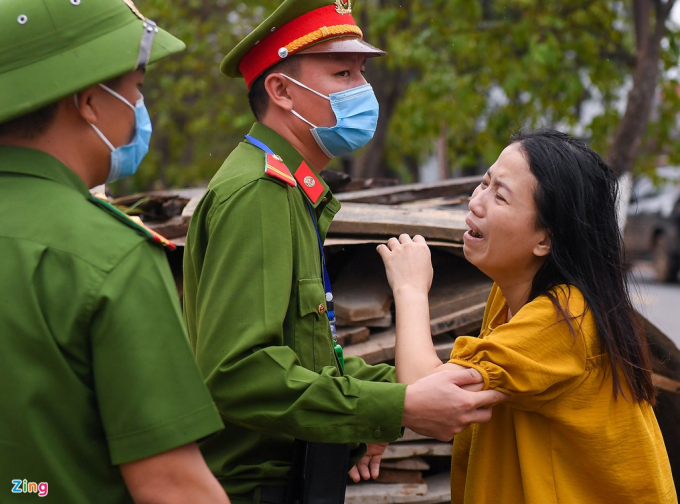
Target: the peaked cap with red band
pixel 295 27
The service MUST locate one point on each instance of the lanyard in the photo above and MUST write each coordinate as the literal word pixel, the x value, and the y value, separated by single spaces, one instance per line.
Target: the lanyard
pixel 330 312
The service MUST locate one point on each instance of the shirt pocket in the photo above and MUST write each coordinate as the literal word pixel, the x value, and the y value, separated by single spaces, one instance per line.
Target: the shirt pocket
pixel 313 339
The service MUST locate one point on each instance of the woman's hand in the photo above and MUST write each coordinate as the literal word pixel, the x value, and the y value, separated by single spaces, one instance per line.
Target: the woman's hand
pixel 408 264
pixel 369 466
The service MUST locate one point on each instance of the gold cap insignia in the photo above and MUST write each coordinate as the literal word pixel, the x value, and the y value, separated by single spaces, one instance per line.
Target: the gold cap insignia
pixel 134 9
pixel 343 6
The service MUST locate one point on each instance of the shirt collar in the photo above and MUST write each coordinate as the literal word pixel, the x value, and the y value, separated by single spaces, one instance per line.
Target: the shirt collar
pixel 36 163
pixel 291 157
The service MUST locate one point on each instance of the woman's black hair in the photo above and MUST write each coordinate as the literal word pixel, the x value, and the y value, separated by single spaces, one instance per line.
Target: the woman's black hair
pixel 576 200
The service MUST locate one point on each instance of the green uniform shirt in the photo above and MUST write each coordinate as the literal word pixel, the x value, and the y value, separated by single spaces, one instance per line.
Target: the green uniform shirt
pixel 95 368
pixel 252 291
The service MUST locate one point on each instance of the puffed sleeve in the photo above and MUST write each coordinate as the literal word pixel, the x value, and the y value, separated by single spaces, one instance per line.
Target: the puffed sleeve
pixel 534 357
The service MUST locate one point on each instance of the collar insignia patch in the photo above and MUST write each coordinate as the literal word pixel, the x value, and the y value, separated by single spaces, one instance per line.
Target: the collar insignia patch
pixel 309 183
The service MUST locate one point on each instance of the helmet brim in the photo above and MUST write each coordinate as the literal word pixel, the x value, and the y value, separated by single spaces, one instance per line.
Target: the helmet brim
pixel 108 56
pixel 350 45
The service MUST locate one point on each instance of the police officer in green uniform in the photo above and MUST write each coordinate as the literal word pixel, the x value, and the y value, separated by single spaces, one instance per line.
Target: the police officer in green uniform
pixel 102 401
pixel 258 303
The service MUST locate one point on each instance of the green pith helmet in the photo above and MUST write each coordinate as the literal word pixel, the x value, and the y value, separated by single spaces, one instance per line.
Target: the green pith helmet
pixel 50 49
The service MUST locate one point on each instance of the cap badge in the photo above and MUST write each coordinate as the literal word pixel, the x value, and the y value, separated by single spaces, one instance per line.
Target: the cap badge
pixel 134 9
pixel 343 6
pixel 310 182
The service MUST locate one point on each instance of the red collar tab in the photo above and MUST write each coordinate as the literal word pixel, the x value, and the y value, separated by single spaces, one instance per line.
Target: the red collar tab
pixel 274 167
pixel 309 182
pixel 310 28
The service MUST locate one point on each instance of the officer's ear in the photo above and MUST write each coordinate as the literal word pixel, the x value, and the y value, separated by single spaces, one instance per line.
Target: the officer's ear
pixel 88 104
pixel 277 88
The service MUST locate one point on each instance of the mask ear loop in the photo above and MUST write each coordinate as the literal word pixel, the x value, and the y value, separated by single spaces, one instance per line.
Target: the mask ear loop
pixel 308 89
pixel 305 87
pixel 96 130
pixel 117 95
pixel 303 119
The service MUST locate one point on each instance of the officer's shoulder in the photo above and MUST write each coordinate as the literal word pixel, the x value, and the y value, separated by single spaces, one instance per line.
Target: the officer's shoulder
pixel 125 225
pixel 66 220
pixel 246 165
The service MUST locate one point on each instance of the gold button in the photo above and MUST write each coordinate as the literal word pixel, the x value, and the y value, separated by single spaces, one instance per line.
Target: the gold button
pixel 322 308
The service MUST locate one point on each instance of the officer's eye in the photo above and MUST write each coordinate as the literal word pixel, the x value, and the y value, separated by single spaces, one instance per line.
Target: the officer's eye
pixel 344 73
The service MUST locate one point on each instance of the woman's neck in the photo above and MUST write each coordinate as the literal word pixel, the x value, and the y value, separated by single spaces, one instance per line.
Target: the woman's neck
pixel 516 295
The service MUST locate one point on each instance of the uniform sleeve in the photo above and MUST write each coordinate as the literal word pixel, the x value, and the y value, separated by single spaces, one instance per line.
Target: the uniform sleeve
pixel 533 357
pixel 150 393
pixel 357 368
pixel 242 335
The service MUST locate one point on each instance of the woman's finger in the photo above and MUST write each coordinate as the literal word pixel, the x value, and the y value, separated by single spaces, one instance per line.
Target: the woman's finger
pixel 363 467
pixel 375 466
pixel 404 238
pixel 354 474
pixel 392 243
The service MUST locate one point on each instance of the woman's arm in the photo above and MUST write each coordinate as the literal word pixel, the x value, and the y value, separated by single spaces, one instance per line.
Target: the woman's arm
pixel 409 271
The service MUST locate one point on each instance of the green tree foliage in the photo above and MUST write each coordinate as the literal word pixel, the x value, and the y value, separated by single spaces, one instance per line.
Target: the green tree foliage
pixel 473 71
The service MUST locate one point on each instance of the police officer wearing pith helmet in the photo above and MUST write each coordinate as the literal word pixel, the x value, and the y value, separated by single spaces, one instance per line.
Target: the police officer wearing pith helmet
pixel 101 398
pixel 258 299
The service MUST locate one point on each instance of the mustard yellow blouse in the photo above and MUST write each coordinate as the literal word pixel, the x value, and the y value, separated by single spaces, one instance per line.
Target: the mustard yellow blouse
pixel 561 437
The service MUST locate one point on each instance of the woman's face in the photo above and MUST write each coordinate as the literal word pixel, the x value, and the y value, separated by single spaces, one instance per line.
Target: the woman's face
pixel 503 240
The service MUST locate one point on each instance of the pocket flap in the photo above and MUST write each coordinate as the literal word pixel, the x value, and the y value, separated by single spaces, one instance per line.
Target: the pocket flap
pixel 311 296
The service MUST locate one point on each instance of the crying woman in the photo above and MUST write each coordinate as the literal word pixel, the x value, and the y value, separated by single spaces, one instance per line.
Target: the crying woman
pixel 559 337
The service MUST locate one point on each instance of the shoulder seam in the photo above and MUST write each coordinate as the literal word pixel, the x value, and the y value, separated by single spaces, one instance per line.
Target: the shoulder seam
pixel 78 256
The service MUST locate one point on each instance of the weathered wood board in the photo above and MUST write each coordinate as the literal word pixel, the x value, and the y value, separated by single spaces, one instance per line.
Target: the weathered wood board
pixel 353 335
pixel 357 219
pixel 436 490
pixel 380 347
pixel 362 291
pixel 388 475
pixel 409 464
pixel 417 449
pixel 380 323
pixel 413 192
pixel 377 493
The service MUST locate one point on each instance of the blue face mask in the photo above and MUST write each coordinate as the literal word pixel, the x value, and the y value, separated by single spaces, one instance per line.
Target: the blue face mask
pixel 126 159
pixel 356 111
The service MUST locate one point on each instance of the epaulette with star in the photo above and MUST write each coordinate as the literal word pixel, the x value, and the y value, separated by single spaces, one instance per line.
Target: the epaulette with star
pixel 135 224
pixel 274 167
